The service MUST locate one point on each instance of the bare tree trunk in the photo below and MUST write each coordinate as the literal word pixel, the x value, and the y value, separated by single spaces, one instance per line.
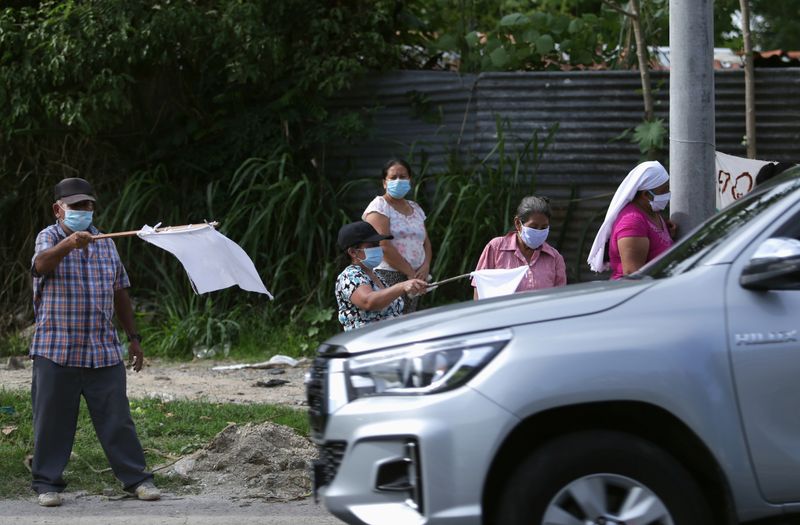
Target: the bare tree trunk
pixel 628 33
pixel 749 82
pixel 641 53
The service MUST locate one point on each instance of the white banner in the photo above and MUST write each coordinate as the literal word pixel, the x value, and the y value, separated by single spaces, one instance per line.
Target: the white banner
pixel 212 261
pixel 735 177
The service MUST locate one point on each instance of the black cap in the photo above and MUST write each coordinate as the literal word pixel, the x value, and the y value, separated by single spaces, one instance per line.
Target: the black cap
pixel 73 190
pixel 358 232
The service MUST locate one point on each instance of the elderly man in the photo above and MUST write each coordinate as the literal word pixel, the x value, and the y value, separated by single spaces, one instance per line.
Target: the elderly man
pixel 78 285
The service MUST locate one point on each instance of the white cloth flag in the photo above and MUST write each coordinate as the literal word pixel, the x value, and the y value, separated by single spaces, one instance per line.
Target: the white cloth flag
pixel 496 282
pixel 735 177
pixel 212 261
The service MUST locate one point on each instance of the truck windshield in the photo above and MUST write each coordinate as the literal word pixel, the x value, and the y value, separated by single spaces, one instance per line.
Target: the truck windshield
pixel 688 252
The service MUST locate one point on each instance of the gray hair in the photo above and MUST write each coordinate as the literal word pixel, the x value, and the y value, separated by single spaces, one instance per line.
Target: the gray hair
pixel 533 204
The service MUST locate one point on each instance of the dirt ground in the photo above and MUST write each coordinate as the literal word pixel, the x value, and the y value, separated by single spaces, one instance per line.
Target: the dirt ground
pixel 248 474
pixel 82 509
pixel 194 381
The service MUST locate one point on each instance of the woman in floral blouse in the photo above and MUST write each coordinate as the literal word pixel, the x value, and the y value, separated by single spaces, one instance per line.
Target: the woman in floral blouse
pixel 409 254
pixel 361 295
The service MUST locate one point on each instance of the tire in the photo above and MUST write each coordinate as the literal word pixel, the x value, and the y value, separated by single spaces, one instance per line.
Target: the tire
pixel 577 478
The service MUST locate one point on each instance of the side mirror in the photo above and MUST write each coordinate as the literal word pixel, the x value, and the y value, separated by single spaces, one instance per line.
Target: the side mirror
pixel 774 266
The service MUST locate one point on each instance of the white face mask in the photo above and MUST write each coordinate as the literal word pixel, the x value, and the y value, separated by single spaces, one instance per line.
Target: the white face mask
pixel 532 237
pixel 659 202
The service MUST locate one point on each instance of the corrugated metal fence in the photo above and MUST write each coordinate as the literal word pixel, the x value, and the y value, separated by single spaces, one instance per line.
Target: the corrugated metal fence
pixel 429 116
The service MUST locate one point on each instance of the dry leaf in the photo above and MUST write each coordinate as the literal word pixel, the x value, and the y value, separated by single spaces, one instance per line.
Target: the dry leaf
pixel 205 417
pixel 8 430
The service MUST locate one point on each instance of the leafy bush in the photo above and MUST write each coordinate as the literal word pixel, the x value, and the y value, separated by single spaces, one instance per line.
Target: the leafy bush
pixel 214 109
pixel 159 103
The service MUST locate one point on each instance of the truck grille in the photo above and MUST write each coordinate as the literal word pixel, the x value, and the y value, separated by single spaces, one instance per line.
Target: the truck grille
pixel 317 393
pixel 330 458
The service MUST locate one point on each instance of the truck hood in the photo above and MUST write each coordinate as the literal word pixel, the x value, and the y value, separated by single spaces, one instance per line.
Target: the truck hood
pixel 478 316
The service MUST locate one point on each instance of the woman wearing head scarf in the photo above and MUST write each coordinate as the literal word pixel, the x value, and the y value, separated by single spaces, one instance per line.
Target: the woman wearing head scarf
pixel 526 245
pixel 409 254
pixel 362 296
pixel 634 228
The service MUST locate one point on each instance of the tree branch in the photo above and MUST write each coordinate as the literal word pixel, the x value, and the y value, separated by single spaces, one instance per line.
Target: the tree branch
pixel 616 7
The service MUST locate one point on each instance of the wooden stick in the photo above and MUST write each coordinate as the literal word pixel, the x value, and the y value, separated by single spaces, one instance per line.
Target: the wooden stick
pixel 449 279
pixel 131 233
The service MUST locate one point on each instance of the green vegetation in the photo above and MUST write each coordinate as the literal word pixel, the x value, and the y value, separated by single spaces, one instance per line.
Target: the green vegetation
pixel 13 344
pixel 513 35
pixel 220 109
pixel 167 430
pixel 485 196
pixel 159 105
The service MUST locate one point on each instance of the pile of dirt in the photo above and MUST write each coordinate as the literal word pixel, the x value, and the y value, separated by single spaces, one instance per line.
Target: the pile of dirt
pixel 264 461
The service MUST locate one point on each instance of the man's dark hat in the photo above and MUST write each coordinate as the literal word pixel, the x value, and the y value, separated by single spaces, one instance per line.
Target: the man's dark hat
pixel 358 232
pixel 73 190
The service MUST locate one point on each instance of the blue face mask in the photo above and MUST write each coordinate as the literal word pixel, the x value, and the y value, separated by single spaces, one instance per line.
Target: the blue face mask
pixel 532 237
pixel 372 257
pixel 77 220
pixel 398 188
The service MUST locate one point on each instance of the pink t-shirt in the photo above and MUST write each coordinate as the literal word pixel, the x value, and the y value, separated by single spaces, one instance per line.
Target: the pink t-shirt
pixel 633 222
pixel 546 268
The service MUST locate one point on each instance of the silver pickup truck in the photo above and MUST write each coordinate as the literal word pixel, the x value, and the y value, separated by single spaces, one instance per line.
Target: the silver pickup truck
pixel 668 398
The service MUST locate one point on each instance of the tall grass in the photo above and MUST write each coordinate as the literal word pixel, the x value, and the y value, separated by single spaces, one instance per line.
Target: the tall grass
pixel 24 207
pixel 286 216
pixel 286 219
pixel 468 207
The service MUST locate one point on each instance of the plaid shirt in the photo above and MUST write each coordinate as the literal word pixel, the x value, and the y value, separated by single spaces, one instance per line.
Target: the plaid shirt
pixel 74 304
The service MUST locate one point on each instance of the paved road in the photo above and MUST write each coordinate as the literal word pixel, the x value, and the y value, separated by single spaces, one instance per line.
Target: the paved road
pixel 172 510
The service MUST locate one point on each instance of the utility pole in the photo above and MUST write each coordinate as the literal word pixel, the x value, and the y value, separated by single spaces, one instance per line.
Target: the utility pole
pixel 691 112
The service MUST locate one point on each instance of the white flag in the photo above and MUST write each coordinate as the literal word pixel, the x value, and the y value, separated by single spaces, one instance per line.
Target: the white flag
pixel 735 177
pixel 496 282
pixel 212 261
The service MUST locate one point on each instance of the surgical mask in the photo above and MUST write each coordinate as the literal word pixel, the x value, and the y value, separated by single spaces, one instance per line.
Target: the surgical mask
pixel 372 257
pixel 77 220
pixel 398 188
pixel 532 237
pixel 659 202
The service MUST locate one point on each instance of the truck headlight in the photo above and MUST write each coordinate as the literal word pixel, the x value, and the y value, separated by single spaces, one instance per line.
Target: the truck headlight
pixel 422 368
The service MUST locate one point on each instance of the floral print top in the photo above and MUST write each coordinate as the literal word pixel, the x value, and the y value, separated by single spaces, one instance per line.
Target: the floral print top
pixel 408 231
pixel 350 315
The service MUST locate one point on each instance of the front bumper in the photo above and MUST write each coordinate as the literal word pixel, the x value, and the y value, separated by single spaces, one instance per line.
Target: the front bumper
pixel 447 441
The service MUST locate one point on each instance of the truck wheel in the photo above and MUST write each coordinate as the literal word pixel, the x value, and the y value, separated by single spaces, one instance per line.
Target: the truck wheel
pixel 601 478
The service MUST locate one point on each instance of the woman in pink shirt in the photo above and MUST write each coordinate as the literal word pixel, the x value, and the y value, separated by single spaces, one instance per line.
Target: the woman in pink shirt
pixel 525 245
pixel 640 234
pixel 634 228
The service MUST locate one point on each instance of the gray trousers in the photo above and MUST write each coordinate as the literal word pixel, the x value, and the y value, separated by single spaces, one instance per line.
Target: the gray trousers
pixel 56 394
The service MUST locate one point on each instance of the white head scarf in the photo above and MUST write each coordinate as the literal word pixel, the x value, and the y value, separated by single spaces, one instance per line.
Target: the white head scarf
pixel 646 176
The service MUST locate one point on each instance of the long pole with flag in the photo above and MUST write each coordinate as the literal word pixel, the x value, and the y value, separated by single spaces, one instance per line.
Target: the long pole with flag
pixel 131 233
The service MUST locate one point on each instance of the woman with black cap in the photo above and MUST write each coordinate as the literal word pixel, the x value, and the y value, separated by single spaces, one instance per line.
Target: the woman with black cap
pixel 361 295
